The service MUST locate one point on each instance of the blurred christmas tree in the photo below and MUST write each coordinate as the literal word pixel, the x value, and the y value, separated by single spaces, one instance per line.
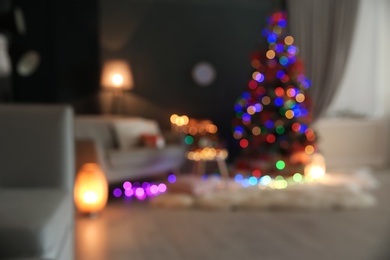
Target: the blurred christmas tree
pixel 273 114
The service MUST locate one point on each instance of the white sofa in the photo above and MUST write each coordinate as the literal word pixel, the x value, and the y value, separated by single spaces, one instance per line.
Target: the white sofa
pixel 115 143
pixel 36 182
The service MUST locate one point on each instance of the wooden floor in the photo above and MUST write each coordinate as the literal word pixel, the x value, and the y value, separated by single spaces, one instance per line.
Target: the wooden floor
pixel 132 230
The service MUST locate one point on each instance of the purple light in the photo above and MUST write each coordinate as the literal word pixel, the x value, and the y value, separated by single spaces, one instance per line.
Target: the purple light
pixel 162 187
pixel 259 77
pixel 127 185
pixel 292 49
pixel 258 107
pixel 246 117
pixel 139 192
pixel 172 178
pixel 306 83
pixel 117 192
pixel 145 185
pixel 301 77
pixel 153 189
pixel 129 193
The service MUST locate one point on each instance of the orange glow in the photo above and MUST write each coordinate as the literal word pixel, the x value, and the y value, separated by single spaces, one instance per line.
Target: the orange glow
pixel 266 100
pixel 309 149
pixel 255 63
pixel 173 118
pixel 256 130
pixel 251 110
pixel 117 74
pixel 212 129
pixel 270 54
pixel 289 114
pixel 316 169
pixel 300 98
pixel 289 40
pixel 91 189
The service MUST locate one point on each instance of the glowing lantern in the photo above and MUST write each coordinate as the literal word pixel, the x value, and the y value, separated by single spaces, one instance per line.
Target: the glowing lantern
pixel 91 189
pixel 316 168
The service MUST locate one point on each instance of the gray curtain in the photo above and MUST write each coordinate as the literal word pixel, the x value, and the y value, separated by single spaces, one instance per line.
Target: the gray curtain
pixel 323 31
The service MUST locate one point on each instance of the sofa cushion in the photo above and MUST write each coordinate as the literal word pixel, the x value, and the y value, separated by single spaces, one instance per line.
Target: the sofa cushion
pixel 144 156
pixel 129 131
pixel 33 222
pixel 98 129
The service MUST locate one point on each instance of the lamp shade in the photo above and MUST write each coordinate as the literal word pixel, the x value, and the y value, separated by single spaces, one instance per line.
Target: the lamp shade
pixel 117 74
pixel 91 189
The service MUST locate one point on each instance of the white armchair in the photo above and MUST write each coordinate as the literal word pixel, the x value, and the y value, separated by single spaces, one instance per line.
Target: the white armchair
pixel 36 182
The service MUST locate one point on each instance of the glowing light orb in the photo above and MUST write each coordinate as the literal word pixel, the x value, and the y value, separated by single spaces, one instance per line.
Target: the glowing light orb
pixel 280 165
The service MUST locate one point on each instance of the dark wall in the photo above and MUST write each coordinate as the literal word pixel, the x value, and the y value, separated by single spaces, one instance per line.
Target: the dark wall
pixel 65 34
pixel 163 40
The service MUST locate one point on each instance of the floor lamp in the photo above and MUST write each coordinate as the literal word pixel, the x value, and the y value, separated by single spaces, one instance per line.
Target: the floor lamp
pixel 117 77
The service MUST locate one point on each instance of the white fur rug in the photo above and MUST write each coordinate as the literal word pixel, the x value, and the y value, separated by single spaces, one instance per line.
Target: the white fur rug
pixel 346 190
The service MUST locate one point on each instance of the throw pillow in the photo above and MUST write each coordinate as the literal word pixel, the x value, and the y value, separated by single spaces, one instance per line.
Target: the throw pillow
pixel 129 131
pixel 152 141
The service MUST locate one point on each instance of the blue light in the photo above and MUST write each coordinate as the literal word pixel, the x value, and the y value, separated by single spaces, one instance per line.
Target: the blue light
pixel 269 124
pixel 279 47
pixel 238 108
pixel 282 23
pixel 238 178
pixel 272 38
pixel 283 60
pixel 297 112
pixel 265 32
pixel 245 183
pixel 280 74
pixel 246 117
pixel 279 101
pixel 304 112
pixel 239 129
pixel 252 181
pixel 246 95
pixel 306 83
pixel 303 128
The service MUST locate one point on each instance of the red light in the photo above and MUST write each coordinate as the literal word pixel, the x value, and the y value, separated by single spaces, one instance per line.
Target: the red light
pixel 296 127
pixel 271 138
pixel 252 84
pixel 260 90
pixel 285 78
pixel 279 91
pixel 244 143
pixel 256 173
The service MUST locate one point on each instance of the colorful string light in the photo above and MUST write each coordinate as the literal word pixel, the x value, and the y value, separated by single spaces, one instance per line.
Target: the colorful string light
pixel 275 108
